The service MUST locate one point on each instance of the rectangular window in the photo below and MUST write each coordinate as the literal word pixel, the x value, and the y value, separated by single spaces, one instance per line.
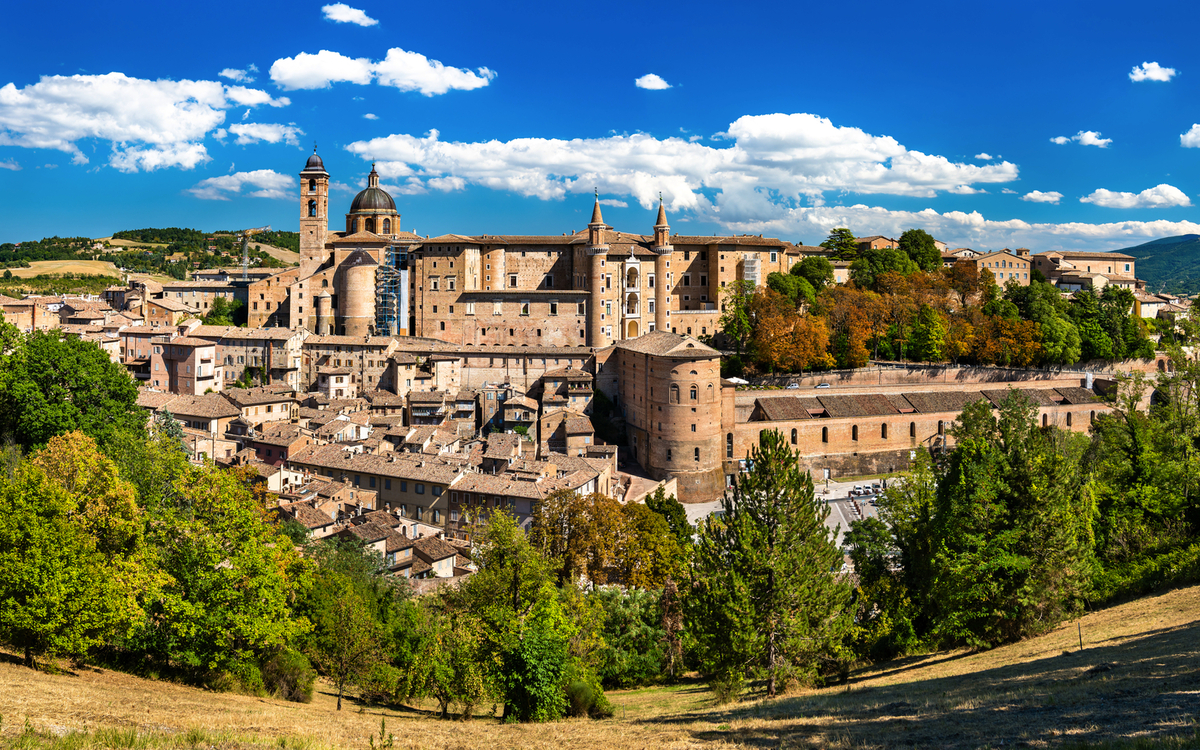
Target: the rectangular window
pixel 703 281
pixel 497 307
pixel 437 490
pixel 512 281
pixel 387 484
pixel 433 283
pixel 450 283
pixel 403 486
pixel 372 483
pixel 470 308
pixel 774 257
pixel 524 307
pixel 420 488
pixel 581 308
pixel 687 280
pixel 554 307
pixel 549 281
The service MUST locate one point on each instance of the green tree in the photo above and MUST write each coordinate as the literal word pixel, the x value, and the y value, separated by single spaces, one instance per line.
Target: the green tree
pixel 71 552
pixel 647 552
pixel 1014 527
pixel 1095 343
pixel 231 579
pixel 346 638
pixel 169 427
pixel 51 385
pixel 449 663
pixel 843 244
pixel 633 651
pixel 872 264
pixel 525 637
pixel 735 321
pixel 921 247
pixel 818 271
pixel 673 511
pixel 928 336
pixel 795 288
pixel 222 312
pixel 766 595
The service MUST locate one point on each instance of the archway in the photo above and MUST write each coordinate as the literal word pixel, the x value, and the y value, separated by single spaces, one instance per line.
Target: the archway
pixel 631 304
pixel 371 225
pixel 631 279
pixel 631 330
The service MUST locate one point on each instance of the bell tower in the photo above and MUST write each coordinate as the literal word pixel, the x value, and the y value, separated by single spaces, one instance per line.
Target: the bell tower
pixel 662 261
pixel 597 252
pixel 314 208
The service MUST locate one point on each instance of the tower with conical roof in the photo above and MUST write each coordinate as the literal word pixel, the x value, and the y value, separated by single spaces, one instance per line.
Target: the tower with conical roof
pixel 314 208
pixel 662 250
pixel 597 252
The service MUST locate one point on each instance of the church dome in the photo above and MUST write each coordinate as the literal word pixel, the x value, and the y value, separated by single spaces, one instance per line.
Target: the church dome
pixel 373 199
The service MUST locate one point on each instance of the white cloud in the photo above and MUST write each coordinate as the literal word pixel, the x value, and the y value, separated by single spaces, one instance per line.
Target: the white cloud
pixel 985 156
pixel 651 81
pixel 342 13
pixel 10 164
pixel 1084 138
pixel 1151 71
pixel 412 71
pixel 965 190
pixel 149 124
pixel 1037 196
pixel 370 116
pixel 253 132
pixel 613 202
pixel 1008 191
pixel 1191 139
pixel 240 76
pixel 261 183
pixel 1159 196
pixel 407 71
pixel 772 160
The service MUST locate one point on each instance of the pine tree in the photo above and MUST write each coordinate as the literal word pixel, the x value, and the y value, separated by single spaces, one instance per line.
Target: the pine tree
pixel 767 596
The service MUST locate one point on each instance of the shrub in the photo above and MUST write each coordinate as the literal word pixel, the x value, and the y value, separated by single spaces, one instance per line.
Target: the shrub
pixel 726 688
pixel 289 675
pixel 383 685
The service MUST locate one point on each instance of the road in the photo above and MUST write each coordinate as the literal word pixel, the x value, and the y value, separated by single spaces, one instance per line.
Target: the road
pixel 841 509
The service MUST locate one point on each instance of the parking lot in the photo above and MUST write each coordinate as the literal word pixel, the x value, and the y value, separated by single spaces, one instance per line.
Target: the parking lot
pixel 844 506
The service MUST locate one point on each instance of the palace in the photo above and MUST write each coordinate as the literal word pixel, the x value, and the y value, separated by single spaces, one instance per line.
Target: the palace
pixel 592 287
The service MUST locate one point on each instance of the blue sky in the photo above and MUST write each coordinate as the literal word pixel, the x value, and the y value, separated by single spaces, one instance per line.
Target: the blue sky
pixel 785 119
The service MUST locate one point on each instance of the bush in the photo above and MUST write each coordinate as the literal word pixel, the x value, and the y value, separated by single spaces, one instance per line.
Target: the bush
pixel 585 698
pixel 289 675
pixel 726 688
pixel 383 686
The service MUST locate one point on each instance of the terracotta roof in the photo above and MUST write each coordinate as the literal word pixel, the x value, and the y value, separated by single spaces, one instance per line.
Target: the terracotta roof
pixel 348 341
pixel 521 401
pixel 433 549
pixel 154 400
pixel 253 396
pixel 400 465
pixel 191 341
pixel 1077 395
pixel 859 405
pixel 579 426
pixel 666 344
pixel 570 373
pixel 210 406
pixel 309 516
pixel 935 402
pixel 784 408
pixel 172 305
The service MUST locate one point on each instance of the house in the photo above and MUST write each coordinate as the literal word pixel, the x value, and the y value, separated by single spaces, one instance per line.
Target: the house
pixel 259 406
pixel 1004 265
pixel 569 388
pixel 562 430
pixel 876 242
pixel 1072 270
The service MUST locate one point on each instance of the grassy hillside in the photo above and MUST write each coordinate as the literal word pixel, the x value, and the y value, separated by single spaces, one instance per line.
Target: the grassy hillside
pixel 1171 264
pixel 1135 684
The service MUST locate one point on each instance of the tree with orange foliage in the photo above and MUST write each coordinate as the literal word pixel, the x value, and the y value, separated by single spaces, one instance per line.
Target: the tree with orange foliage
pixel 1004 341
pixel 850 316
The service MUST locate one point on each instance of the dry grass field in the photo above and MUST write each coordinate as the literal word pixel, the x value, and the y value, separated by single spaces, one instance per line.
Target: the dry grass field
pixel 1135 684
pixel 94 267
pixel 129 243
pixel 278 253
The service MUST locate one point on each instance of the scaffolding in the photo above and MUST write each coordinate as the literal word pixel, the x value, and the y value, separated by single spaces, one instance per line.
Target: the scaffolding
pixel 389 307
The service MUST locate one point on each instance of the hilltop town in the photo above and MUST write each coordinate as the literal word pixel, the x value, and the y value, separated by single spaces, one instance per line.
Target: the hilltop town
pixel 391 385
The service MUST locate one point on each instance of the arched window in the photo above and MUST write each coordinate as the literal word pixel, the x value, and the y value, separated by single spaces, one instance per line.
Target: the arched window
pixel 324 282
pixel 694 393
pixel 793 436
pixel 912 429
pixel 674 394
pixel 1092 418
pixel 668 455
pixel 312 186
pixel 854 432
pixel 387 226
pixel 312 208
pixel 1068 419
pixel 631 279
pixel 883 431
pixel 1045 420
pixel 729 445
pixel 371 225
pixel 709 397
pixel 824 434
pixel 941 427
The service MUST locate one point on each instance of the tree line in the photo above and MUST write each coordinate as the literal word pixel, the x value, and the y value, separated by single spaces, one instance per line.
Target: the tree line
pixel 902 304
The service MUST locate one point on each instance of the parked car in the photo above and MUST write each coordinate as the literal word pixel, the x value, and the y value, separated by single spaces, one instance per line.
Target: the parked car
pixel 820 385
pixel 793 386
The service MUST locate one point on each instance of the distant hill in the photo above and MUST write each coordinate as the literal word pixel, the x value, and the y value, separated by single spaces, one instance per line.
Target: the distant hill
pixel 1171 264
